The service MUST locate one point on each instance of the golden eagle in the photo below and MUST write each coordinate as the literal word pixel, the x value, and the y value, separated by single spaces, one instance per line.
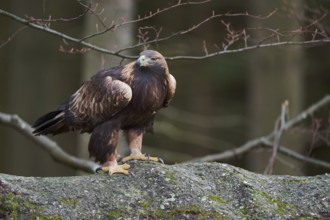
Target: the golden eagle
pixel 120 98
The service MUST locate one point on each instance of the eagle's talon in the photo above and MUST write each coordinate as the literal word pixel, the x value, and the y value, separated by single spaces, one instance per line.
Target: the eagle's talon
pixel 123 169
pixel 131 161
pixel 160 160
pixel 98 169
pixel 141 156
pixel 132 174
pixel 119 157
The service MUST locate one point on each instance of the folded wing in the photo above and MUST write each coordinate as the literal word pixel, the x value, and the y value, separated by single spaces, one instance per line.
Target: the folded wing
pixel 97 100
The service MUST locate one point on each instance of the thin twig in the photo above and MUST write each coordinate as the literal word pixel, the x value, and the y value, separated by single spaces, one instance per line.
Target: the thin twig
pixel 183 57
pixel 267 139
pixel 47 144
pixel 228 154
pixel 60 34
pixel 278 132
pixel 12 36
pixel 49 19
pixel 194 27
pixel 276 44
pixel 320 135
pixel 93 11
pixel 293 154
pixel 114 26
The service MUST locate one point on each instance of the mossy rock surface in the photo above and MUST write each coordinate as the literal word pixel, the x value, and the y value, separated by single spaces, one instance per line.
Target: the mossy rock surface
pixel 158 191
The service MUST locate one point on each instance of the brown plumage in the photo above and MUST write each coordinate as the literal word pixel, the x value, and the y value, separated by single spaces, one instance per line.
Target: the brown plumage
pixel 121 98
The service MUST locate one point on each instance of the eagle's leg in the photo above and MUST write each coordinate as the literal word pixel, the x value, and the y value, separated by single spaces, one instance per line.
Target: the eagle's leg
pixel 134 140
pixel 103 146
pixel 112 166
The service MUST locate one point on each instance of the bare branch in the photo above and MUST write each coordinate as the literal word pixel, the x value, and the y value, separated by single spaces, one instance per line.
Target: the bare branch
pixel 265 140
pixel 320 135
pixel 228 154
pixel 74 50
pixel 12 36
pixel 278 131
pixel 118 53
pixel 47 144
pixel 195 27
pixel 64 36
pixel 93 11
pixel 286 151
pixel 316 125
pixel 114 26
pixel 308 112
pixel 50 19
pixel 217 53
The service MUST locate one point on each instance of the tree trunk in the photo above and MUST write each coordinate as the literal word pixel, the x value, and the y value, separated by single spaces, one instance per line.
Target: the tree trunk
pixel 35 85
pixel 94 62
pixel 276 75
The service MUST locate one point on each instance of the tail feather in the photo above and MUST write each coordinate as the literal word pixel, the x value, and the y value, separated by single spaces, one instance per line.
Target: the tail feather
pixel 43 119
pixel 50 123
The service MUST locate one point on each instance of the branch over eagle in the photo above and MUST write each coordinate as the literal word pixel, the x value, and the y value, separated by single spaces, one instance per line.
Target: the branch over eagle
pixel 120 98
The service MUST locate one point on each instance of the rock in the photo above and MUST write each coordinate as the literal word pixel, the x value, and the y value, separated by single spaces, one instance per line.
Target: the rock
pixel 158 191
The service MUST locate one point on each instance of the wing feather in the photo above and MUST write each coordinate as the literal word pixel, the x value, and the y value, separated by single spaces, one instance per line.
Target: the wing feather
pixel 171 86
pixel 96 100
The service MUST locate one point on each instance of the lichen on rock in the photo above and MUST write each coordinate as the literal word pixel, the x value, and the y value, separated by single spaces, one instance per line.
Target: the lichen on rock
pixel 158 191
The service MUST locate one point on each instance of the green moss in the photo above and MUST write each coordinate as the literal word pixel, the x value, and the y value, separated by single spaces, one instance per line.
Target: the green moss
pixel 28 204
pixel 282 207
pixel 13 206
pixel 68 201
pixel 193 211
pixel 55 217
pixel 10 205
pixel 10 201
pixel 296 181
pixel 244 211
pixel 141 212
pixel 170 176
pixel 116 213
pixel 146 204
pixel 215 198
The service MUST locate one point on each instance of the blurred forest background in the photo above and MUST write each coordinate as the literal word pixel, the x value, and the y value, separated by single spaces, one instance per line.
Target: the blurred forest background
pixel 220 103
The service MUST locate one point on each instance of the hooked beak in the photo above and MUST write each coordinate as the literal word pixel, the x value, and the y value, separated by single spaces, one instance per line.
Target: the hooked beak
pixel 142 61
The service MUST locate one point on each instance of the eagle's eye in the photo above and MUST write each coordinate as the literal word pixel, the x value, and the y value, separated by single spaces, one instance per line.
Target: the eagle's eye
pixel 154 58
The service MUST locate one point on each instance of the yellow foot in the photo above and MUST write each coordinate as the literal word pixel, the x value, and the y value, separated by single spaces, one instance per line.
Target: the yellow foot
pixel 116 169
pixel 141 157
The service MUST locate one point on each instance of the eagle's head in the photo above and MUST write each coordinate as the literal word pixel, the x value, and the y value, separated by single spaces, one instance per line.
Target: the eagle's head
pixel 153 60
